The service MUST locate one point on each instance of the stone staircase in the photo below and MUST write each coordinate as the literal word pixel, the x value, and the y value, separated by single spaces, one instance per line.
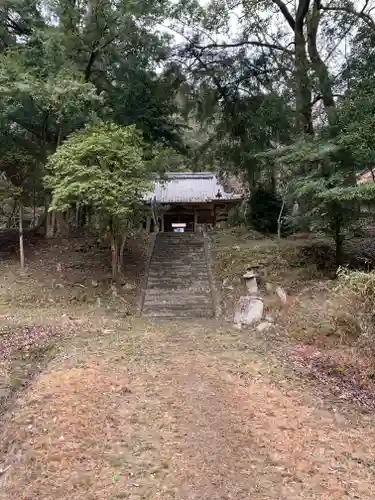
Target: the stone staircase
pixel 178 283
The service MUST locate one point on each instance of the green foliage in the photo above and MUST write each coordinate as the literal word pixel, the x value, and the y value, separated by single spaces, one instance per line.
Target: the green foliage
pixel 236 216
pixel 49 108
pixel 324 183
pixel 66 64
pixel 101 166
pixel 231 106
pixel 264 211
pixel 357 119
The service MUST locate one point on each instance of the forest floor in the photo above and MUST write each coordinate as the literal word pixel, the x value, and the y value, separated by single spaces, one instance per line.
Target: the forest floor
pixel 100 405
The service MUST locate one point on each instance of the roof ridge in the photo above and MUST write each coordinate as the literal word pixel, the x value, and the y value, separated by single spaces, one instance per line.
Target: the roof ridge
pixel 178 187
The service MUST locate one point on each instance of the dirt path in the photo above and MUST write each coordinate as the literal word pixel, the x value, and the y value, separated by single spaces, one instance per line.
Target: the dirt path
pixel 181 411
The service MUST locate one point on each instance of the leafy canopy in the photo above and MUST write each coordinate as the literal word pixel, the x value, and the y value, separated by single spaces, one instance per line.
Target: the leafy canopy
pixel 101 166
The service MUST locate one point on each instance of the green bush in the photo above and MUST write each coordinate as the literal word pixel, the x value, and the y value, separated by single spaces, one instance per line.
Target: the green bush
pixel 236 216
pixel 264 209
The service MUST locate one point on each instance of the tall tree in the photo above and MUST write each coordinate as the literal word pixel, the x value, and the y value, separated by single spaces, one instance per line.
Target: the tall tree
pixel 102 167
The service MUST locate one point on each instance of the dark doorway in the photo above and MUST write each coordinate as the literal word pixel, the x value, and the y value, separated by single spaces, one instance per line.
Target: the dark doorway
pixel 188 219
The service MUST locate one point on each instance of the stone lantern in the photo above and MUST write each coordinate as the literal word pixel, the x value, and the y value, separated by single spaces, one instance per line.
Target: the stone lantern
pixel 251 282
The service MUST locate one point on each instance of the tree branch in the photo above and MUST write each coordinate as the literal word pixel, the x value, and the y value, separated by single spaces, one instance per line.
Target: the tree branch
pixel 88 69
pixel 284 10
pixel 348 9
pixel 302 10
pixel 222 90
pixel 253 43
pixel 319 97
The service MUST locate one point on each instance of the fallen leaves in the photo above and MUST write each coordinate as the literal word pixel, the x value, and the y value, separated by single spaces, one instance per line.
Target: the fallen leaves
pixel 349 378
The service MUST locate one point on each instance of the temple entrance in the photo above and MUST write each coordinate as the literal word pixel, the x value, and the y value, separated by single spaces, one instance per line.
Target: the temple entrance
pixel 173 221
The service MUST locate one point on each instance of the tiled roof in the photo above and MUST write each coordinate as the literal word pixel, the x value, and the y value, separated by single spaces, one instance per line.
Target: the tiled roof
pixel 190 187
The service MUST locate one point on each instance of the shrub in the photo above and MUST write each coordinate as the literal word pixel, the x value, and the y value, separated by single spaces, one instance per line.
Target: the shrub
pixel 264 208
pixel 354 315
pixel 321 254
pixel 236 216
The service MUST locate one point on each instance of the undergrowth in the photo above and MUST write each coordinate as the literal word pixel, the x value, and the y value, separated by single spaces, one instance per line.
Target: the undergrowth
pixel 353 312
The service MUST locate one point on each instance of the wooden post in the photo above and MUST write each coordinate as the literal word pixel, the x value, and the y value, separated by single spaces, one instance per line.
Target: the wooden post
pixel 162 223
pixel 195 220
pixel 148 225
pixel 53 222
pixel 22 253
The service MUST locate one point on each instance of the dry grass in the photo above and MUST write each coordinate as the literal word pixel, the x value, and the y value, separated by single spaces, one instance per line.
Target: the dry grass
pixel 353 308
pixel 68 273
pixel 65 288
pixel 180 411
pixel 69 425
pixel 289 263
pixel 327 330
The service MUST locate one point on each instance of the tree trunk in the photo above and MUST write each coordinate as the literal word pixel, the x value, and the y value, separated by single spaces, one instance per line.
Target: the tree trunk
pixel 114 256
pixel 339 240
pixel 34 200
pixel 319 67
pixel 51 222
pixel 302 80
pixel 61 225
pixel 49 225
pixel 10 218
pixel 77 215
pixel 279 219
pixel 338 251
pixel 302 83
pixel 59 135
pixel 121 256
pixel 22 253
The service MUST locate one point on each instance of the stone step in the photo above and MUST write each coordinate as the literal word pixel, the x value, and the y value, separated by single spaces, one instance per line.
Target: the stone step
pixel 181 276
pixel 178 282
pixel 197 273
pixel 167 292
pixel 178 251
pixel 172 313
pixel 176 292
pixel 188 249
pixel 168 262
pixel 186 274
pixel 170 265
pixel 196 247
pixel 177 307
pixel 178 295
pixel 177 241
pixel 172 238
pixel 178 255
pixel 186 301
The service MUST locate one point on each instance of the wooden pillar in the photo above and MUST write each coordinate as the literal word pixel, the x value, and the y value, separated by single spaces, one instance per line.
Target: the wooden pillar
pixel 162 223
pixel 148 225
pixel 195 220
